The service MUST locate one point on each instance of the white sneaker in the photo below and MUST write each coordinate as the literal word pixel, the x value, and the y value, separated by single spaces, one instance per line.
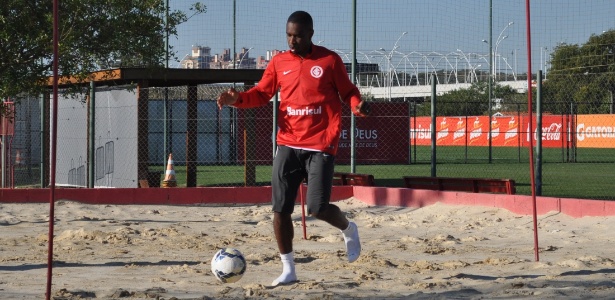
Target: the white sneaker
pixel 353 244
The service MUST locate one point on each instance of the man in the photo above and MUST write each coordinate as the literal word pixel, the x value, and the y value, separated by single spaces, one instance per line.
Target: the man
pixel 311 79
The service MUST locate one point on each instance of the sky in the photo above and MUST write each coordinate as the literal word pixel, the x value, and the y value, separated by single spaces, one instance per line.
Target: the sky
pixel 445 28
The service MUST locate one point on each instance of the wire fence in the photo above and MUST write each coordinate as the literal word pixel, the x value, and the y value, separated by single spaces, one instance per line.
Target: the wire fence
pixel 468 47
pixel 232 147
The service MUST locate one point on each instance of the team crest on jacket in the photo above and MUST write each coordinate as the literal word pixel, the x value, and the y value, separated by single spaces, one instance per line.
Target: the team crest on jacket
pixel 316 71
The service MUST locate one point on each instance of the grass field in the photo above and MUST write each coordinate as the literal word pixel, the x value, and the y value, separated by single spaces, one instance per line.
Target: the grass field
pixel 585 174
pixel 591 176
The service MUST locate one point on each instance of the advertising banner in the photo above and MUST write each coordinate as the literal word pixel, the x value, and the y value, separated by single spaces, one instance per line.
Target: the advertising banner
pixel 377 137
pixel 554 131
pixel 595 131
pixel 506 131
pixel 378 140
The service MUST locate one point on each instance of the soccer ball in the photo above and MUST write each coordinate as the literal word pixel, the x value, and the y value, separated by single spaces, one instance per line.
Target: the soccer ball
pixel 228 265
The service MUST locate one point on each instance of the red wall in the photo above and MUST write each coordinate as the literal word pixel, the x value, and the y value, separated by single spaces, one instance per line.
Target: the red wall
pixel 400 197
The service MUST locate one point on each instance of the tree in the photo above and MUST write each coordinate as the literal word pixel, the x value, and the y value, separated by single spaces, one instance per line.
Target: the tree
pixel 470 101
pixel 582 75
pixel 93 35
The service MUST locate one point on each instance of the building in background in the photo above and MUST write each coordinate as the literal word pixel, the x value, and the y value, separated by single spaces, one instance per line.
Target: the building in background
pixel 201 58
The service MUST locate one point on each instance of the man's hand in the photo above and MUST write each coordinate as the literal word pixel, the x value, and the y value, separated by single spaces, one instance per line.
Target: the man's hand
pixel 362 109
pixel 227 98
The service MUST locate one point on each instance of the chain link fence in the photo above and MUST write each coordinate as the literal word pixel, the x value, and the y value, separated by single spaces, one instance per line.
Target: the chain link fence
pixel 23 149
pixel 234 147
pixel 131 131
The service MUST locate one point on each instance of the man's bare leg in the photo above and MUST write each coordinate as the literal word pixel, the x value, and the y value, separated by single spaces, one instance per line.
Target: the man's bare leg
pixel 334 216
pixel 284 233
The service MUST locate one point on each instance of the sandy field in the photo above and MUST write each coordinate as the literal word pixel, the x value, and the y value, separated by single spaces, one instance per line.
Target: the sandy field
pixel 434 252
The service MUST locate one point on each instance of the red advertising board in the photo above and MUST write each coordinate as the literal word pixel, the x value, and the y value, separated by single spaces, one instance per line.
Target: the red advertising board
pixel 554 129
pixel 385 136
pixel 506 131
pixel 380 138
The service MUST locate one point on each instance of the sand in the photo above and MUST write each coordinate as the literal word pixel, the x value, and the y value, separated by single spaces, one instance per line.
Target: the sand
pixel 434 252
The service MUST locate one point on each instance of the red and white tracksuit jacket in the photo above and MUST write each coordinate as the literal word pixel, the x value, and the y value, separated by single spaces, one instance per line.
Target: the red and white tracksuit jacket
pixel 310 90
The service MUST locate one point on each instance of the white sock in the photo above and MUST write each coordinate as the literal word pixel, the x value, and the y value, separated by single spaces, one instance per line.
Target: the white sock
pixel 353 244
pixel 288 270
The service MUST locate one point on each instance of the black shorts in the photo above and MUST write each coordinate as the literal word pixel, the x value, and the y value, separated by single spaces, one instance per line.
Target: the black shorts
pixel 290 167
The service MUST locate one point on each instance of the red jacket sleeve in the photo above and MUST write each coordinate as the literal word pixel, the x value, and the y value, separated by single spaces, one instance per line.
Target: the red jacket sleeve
pixel 262 92
pixel 349 92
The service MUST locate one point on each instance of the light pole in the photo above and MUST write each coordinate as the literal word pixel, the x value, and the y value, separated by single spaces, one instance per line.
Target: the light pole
pixel 494 54
pixel 390 69
pixel 179 65
pixel 389 64
pixel 399 38
pixel 516 64
pixel 492 70
pixel 497 57
pixel 469 66
pixel 388 79
pixel 499 40
pixel 390 57
pixel 243 55
pixel 543 63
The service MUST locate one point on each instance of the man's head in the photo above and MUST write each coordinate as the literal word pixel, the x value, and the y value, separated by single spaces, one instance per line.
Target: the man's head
pixel 299 32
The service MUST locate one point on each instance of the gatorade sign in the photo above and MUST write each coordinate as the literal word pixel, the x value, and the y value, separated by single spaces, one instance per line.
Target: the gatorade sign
pixel 595 131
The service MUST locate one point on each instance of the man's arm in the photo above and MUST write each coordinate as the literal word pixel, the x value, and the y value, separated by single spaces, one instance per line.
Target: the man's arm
pixel 348 91
pixel 363 109
pixel 256 96
pixel 228 97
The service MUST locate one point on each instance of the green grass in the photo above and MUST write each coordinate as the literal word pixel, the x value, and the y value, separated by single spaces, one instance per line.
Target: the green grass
pixel 586 174
pixel 457 154
pixel 567 180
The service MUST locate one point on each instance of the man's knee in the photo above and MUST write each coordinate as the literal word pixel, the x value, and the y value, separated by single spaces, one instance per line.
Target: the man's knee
pixel 324 212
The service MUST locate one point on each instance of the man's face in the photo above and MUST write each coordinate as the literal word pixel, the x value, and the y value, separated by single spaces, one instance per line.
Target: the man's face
pixel 299 38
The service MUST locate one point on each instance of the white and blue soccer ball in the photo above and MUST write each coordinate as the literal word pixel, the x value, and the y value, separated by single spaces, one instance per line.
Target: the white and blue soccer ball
pixel 228 265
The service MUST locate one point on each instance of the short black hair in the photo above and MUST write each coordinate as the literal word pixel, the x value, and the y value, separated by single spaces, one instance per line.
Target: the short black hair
pixel 301 17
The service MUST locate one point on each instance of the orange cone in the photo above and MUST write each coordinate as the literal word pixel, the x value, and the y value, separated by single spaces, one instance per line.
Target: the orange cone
pixel 169 176
pixel 18 159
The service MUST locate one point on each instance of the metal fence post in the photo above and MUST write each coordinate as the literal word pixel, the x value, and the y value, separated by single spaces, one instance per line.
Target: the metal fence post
pixel 353 149
pixel 3 162
pixel 43 143
pixel 433 125
pixel 91 135
pixel 274 133
pixel 410 108
pixel 538 174
pixel 191 135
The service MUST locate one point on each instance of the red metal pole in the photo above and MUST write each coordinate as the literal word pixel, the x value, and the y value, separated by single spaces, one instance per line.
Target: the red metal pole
pixel 529 112
pixel 303 212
